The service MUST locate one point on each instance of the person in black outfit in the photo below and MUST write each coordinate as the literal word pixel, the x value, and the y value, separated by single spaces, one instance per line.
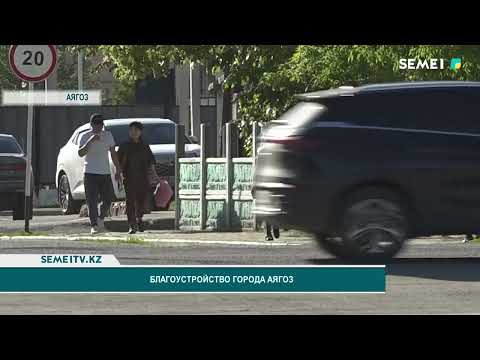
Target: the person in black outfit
pixel 136 159
pixel 268 227
pixel 268 230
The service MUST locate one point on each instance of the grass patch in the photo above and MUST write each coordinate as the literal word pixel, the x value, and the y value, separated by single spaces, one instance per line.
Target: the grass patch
pixel 131 239
pixel 23 233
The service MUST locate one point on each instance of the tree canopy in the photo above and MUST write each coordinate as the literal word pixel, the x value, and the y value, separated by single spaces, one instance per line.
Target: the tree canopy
pixel 267 77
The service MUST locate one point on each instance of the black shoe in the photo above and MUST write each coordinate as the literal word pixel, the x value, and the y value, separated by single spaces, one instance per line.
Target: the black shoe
pixel 132 230
pixel 141 226
pixel 268 238
pixel 276 233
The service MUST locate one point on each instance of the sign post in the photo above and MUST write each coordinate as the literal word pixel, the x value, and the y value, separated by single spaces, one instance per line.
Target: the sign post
pixel 28 176
pixel 31 63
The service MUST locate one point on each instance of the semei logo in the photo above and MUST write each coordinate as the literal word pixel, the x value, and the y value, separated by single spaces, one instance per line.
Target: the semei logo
pixel 456 64
pixel 429 64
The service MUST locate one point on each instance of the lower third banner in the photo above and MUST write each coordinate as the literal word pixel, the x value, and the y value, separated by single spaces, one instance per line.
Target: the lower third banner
pixel 194 279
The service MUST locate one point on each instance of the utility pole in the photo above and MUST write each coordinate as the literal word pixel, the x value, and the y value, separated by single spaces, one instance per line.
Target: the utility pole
pixel 182 92
pixel 194 100
pixel 80 69
pixel 220 134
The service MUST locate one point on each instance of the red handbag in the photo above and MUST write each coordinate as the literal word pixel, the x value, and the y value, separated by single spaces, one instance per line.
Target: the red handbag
pixel 163 194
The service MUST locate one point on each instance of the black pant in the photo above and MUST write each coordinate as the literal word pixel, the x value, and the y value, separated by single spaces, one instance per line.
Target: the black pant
pixel 96 185
pixel 136 196
pixel 268 230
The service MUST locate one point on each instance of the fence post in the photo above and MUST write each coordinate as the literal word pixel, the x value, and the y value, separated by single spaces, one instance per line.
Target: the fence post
pixel 234 141
pixel 228 168
pixel 179 153
pixel 254 163
pixel 203 177
pixel 254 141
pixel 219 107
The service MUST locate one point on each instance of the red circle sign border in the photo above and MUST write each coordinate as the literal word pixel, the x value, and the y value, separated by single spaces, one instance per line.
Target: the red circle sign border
pixel 28 78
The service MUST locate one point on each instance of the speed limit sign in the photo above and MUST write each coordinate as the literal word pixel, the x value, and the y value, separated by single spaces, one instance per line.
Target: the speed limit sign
pixel 33 63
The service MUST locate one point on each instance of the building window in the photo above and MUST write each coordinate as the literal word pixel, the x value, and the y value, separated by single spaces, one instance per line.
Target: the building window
pixel 208 101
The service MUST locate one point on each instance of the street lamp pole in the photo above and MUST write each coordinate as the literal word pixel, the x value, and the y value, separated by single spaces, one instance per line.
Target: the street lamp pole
pixel 80 70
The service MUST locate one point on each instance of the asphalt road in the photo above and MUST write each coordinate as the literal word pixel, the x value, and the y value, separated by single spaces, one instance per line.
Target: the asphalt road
pixel 428 277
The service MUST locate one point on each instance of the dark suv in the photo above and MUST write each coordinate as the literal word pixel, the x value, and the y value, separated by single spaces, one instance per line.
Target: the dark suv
pixel 12 177
pixel 367 168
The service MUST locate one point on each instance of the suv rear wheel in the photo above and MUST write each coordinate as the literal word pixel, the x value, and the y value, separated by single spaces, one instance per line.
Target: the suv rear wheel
pixel 373 227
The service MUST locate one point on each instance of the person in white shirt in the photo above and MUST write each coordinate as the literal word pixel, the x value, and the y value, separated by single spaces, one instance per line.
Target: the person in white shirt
pixel 95 145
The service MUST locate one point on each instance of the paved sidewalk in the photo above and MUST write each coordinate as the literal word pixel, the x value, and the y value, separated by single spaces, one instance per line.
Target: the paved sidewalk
pixel 159 227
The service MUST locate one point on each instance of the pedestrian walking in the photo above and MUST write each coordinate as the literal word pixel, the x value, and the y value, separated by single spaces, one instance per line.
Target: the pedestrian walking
pixel 268 231
pixel 268 226
pixel 95 145
pixel 137 161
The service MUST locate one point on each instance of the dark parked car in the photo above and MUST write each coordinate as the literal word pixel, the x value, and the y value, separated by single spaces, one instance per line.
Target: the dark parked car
pixel 366 168
pixel 12 177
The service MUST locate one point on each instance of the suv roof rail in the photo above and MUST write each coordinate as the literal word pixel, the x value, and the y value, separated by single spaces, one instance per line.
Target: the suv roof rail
pixel 381 87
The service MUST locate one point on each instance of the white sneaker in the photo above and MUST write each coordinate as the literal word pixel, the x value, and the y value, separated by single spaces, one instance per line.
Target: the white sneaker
pixel 94 230
pixel 101 224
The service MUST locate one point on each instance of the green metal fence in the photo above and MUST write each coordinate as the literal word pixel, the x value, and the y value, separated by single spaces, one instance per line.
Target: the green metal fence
pixel 215 193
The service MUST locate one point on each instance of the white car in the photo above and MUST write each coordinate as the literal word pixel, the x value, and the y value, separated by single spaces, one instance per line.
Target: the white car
pixel 158 133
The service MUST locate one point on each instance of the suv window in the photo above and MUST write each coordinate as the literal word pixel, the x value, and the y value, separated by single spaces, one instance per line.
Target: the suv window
pixel 9 146
pixel 153 134
pixel 74 138
pixel 453 111
pixel 77 137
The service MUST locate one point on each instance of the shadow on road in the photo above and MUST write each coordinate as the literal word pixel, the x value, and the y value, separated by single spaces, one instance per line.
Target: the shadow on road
pixel 448 269
pixel 158 224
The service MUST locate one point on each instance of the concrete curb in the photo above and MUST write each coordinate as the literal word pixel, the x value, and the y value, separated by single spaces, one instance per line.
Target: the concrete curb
pixel 181 238
pixel 47 212
pixel 38 212
pixel 149 240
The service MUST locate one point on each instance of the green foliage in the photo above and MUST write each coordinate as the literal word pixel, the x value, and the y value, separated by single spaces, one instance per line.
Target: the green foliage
pixel 134 62
pixel 123 92
pixel 8 81
pixel 266 77
pixel 67 69
pixel 133 239
pixel 312 68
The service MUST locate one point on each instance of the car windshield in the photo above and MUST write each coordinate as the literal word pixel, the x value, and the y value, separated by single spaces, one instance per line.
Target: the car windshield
pixel 153 134
pixel 9 146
